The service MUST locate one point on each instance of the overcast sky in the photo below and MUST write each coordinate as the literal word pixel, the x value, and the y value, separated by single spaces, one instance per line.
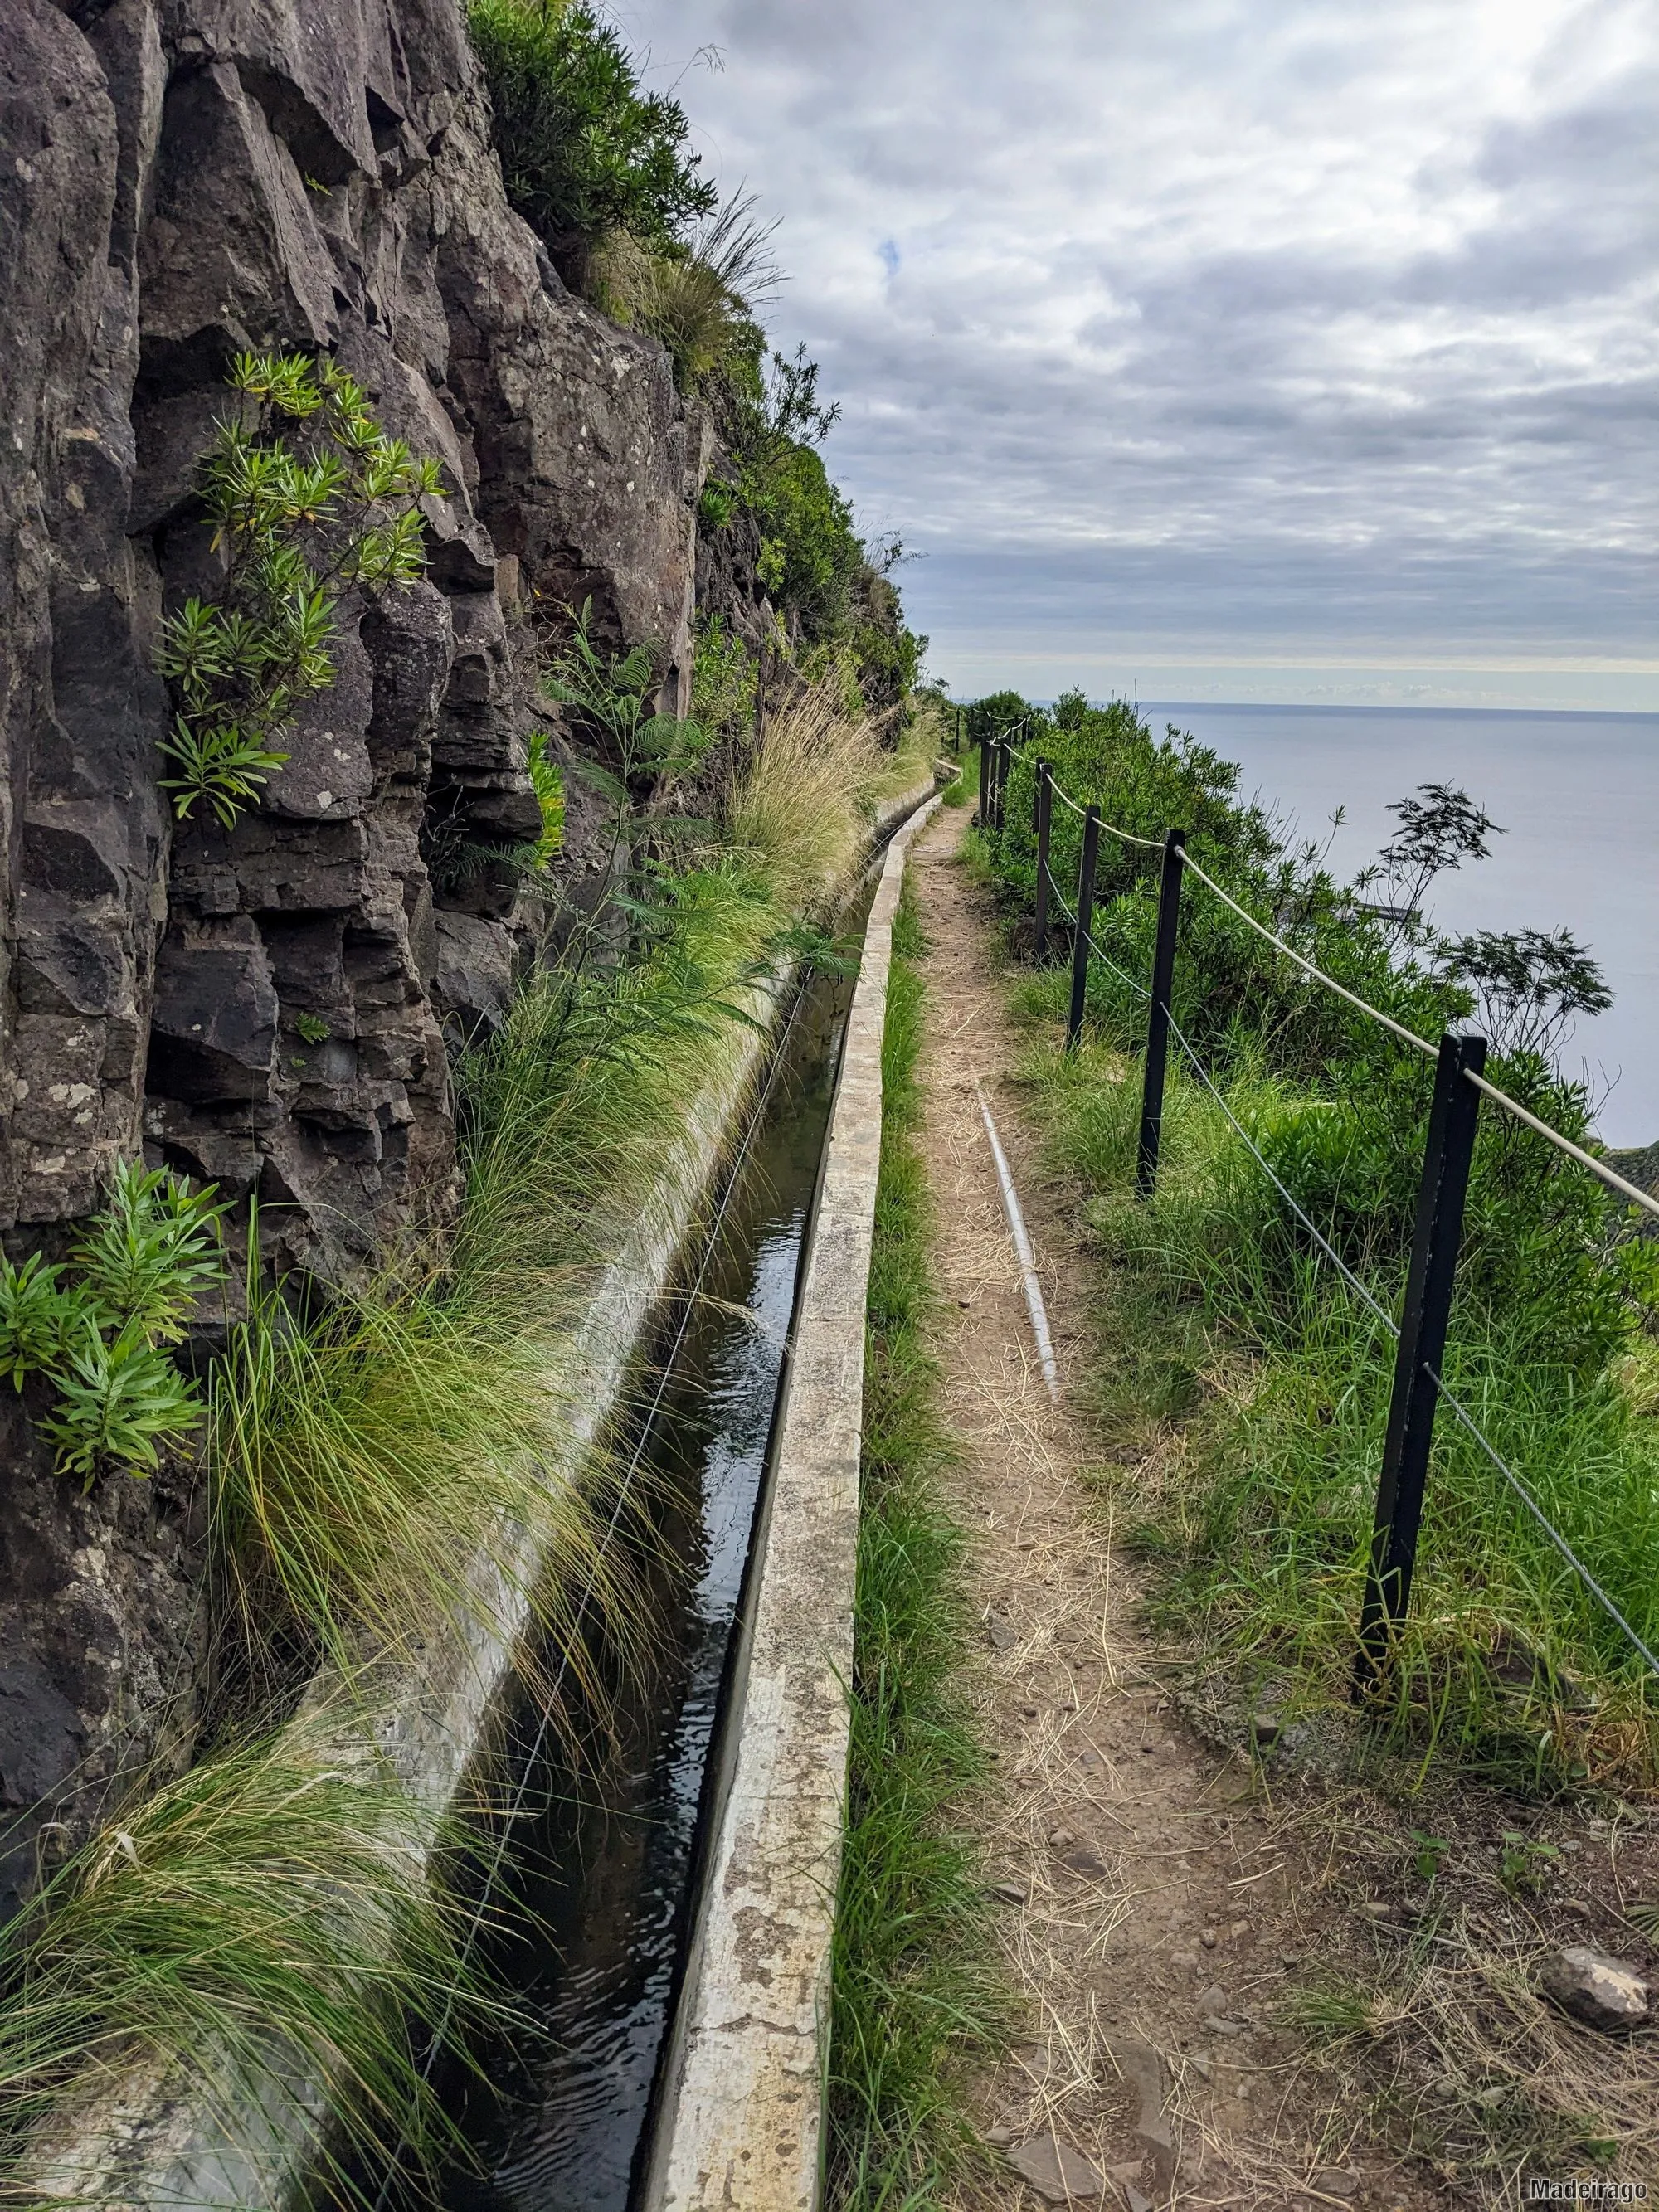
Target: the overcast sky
pixel 1303 349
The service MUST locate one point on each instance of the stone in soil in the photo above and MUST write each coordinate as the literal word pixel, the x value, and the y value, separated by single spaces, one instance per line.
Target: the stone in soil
pixel 1602 1991
pixel 1086 1861
pixel 1056 2169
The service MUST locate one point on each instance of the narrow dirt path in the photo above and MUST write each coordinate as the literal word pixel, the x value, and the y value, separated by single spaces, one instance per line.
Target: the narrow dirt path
pixel 1156 1906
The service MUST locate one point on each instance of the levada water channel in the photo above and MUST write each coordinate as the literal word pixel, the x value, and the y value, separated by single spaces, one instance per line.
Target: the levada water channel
pixel 596 1880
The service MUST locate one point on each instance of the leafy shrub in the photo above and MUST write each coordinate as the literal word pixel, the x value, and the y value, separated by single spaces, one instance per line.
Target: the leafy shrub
pixel 116 1399
pixel 149 1252
pixel 613 701
pixel 723 680
pixel 37 1317
pixel 812 555
pixel 296 523
pixel 584 151
pixel 547 780
pixel 716 505
pixel 144 1260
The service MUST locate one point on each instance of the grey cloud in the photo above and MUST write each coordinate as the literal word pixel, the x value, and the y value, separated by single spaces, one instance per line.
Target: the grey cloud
pixel 1322 323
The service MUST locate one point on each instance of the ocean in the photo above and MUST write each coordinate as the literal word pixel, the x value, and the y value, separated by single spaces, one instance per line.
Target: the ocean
pixel 1578 798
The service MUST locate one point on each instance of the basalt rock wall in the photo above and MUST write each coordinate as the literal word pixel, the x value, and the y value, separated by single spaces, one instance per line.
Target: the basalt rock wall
pixel 180 180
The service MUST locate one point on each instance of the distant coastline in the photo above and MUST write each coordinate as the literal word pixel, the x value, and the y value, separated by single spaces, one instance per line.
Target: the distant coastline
pixel 1449 713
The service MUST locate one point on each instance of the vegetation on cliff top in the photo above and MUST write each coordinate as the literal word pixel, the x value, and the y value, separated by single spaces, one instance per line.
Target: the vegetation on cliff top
pixel 600 169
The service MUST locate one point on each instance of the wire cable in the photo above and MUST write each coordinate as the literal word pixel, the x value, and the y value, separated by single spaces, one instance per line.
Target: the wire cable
pixel 1022 1252
pixel 1541 1517
pixel 1325 1246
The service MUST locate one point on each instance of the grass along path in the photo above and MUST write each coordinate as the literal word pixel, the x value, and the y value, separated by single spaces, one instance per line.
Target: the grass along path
pixel 1236 1988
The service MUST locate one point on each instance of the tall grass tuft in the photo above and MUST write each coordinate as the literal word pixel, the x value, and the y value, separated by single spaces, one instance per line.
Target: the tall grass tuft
pixel 363 1465
pixel 800 811
pixel 914 1998
pixel 262 1921
pixel 699 299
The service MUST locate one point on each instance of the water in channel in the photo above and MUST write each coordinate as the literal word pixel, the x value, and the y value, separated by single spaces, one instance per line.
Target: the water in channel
pixel 604 1859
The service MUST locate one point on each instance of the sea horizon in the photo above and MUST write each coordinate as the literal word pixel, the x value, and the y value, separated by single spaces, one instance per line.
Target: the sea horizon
pixel 1576 792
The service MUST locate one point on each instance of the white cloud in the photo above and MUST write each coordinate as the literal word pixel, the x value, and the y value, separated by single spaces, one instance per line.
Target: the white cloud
pixel 1318 327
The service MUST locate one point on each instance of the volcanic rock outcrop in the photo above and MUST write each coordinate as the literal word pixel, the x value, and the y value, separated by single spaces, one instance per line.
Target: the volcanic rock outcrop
pixel 266 1006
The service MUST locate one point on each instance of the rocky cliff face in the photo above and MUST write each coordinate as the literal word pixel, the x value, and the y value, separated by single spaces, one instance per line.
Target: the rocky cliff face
pixel 181 179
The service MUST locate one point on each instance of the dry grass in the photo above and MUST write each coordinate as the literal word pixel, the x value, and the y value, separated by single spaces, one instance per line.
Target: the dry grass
pixel 797 809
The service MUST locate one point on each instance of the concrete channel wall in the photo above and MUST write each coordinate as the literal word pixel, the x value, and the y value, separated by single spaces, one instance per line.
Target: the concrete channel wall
pixel 741 2121
pixel 145 2141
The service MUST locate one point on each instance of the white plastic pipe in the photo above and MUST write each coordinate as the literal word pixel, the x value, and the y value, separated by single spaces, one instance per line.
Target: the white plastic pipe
pixel 1033 1305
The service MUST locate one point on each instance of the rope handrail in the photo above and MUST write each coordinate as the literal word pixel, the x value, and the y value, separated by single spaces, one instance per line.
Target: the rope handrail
pixel 1629 1192
pixel 1399 1029
pixel 1150 844
pixel 1461 1411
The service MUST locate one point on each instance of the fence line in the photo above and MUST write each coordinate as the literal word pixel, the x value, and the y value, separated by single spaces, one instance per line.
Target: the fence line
pixel 1632 1193
pixel 1435 1239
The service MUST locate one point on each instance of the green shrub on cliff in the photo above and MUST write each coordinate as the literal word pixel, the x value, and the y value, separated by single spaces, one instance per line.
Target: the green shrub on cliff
pixel 145 1258
pixel 584 151
pixel 813 566
pixel 306 496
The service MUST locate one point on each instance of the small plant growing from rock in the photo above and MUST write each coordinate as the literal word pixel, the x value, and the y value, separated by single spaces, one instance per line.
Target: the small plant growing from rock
pixel 614 701
pixel 310 498
pixel 146 1257
pixel 312 1028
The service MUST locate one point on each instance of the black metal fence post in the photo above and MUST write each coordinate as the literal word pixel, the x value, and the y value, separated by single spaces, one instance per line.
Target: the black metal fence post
pixel 1085 917
pixel 1446 1157
pixel 1042 810
pixel 1158 1015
